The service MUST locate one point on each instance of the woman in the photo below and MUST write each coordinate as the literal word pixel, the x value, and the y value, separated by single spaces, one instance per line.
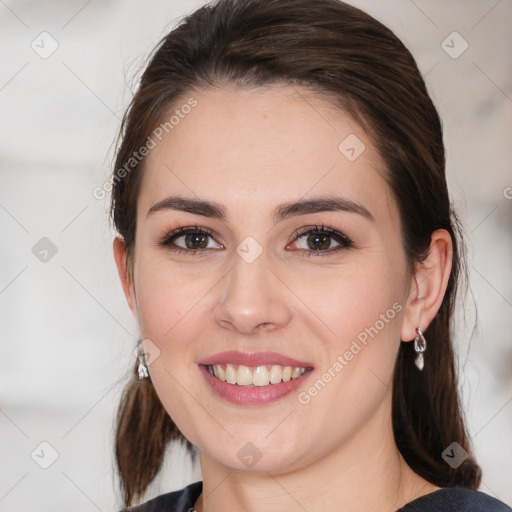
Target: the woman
pixel 287 246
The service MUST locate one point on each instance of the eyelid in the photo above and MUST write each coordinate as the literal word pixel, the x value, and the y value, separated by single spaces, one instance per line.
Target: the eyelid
pixel 344 241
pixel 180 231
pixel 321 229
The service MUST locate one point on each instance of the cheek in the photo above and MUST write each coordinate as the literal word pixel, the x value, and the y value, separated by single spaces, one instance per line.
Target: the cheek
pixel 351 300
pixel 170 309
pixel 166 300
pixel 363 308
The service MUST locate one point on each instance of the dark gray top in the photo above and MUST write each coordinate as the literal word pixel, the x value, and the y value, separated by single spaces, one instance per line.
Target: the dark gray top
pixel 449 499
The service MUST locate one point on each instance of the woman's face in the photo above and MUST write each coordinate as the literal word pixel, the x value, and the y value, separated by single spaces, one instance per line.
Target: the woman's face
pixel 334 303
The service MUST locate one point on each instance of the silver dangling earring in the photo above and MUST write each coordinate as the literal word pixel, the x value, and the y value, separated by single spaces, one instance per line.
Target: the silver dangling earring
pixel 420 345
pixel 142 369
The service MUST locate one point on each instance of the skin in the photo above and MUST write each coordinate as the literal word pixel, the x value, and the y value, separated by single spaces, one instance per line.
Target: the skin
pixel 252 150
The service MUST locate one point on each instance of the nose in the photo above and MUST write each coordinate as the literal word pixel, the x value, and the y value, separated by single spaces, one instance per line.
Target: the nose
pixel 253 298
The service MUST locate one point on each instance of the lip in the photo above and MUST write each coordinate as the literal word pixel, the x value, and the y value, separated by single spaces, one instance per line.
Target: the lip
pixel 253 359
pixel 253 395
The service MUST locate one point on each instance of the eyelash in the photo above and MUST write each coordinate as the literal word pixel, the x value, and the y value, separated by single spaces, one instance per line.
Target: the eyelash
pixel 344 241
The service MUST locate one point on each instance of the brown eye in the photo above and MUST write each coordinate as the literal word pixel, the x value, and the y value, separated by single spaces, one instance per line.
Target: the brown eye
pixel 321 240
pixel 190 239
pixel 318 241
pixel 195 240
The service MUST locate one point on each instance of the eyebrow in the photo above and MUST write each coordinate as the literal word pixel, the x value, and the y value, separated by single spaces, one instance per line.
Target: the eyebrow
pixel 282 212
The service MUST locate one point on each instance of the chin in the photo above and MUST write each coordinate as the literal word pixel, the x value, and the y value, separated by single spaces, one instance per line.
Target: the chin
pixel 256 454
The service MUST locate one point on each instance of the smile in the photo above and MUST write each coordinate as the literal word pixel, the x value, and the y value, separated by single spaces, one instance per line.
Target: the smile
pixel 242 375
pixel 254 378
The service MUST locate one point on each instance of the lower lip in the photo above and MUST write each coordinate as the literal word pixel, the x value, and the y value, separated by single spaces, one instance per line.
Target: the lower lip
pixel 255 395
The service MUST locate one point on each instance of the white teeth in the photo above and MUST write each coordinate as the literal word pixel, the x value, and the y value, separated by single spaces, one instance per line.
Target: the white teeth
pixel 259 376
pixel 230 374
pixel 220 373
pixel 276 374
pixel 287 373
pixel 295 373
pixel 244 376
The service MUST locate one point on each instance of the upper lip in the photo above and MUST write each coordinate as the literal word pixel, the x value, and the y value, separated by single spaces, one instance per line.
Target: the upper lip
pixel 253 359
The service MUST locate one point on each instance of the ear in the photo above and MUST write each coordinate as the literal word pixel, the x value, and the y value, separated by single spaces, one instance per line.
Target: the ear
pixel 122 269
pixel 428 285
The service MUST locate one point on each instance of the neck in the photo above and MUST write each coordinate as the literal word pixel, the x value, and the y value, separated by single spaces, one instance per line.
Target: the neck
pixel 365 473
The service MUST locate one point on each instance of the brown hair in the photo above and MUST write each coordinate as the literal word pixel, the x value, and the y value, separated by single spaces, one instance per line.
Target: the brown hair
pixel 346 55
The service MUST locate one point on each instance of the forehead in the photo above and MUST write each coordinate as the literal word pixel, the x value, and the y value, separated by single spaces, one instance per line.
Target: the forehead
pixel 248 148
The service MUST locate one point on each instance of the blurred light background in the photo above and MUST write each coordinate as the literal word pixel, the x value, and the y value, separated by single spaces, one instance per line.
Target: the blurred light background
pixel 67 334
